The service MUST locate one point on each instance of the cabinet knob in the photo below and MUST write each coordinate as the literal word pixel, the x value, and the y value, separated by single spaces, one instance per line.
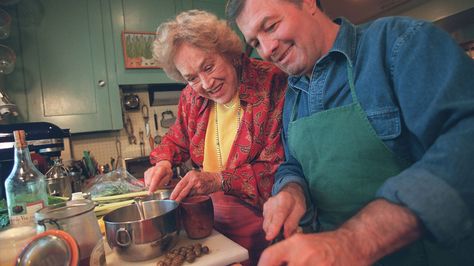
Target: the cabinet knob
pixel 101 83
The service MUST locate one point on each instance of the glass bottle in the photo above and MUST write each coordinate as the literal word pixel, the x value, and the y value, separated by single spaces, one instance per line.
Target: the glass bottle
pixel 25 187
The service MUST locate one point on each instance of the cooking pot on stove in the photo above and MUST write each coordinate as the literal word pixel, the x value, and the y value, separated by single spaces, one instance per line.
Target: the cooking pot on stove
pixel 136 239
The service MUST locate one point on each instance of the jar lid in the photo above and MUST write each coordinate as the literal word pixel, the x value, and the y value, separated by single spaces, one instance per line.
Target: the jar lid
pixel 64 210
pixel 60 247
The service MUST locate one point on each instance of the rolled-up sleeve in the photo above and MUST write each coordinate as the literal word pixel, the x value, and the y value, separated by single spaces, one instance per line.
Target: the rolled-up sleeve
pixel 438 111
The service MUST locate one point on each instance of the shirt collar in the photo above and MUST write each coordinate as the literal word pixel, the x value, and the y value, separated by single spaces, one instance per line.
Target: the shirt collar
pixel 345 43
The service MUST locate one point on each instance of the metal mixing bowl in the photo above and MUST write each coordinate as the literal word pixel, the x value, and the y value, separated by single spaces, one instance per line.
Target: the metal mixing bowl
pixel 133 239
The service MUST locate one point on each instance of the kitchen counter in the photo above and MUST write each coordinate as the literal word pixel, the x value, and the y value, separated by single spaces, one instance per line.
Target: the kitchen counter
pixel 223 251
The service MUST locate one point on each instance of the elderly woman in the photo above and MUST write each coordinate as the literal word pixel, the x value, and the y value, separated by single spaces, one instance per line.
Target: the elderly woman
pixel 228 124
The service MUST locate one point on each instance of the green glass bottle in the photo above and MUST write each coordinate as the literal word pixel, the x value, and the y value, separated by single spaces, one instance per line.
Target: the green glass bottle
pixel 25 187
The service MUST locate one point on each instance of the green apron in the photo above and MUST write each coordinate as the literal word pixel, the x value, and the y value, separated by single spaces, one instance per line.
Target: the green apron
pixel 344 163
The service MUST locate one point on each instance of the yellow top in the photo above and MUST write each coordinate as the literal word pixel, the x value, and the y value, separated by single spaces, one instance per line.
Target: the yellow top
pixel 222 124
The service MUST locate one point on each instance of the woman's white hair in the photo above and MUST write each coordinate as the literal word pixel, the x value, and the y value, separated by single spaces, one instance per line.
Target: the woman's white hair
pixel 200 29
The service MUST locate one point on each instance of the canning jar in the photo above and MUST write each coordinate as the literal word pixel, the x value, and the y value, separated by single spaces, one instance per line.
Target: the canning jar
pixel 78 219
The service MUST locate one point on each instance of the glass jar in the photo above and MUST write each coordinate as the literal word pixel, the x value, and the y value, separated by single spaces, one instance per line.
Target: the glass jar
pixel 78 219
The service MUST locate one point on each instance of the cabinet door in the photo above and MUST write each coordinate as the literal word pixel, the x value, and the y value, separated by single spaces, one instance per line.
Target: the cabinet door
pixel 139 16
pixel 146 16
pixel 215 6
pixel 66 77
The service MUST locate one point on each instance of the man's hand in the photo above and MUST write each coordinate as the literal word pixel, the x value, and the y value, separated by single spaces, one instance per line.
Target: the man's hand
pixel 196 182
pixel 158 175
pixel 379 229
pixel 329 248
pixel 284 210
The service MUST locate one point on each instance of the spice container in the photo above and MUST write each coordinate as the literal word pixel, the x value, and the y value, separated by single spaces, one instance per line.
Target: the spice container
pixel 78 219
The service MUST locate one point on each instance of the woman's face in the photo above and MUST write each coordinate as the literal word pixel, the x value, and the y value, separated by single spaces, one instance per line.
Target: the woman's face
pixel 210 74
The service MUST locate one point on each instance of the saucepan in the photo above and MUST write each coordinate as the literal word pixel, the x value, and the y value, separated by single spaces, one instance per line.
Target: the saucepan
pixel 135 239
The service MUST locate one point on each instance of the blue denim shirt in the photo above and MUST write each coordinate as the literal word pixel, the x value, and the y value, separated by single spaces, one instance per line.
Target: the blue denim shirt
pixel 416 86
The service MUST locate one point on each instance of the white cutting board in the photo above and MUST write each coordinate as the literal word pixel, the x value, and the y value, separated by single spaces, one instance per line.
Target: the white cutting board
pixel 223 251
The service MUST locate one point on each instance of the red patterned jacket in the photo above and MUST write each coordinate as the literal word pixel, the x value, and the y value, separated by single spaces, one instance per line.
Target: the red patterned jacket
pixel 257 150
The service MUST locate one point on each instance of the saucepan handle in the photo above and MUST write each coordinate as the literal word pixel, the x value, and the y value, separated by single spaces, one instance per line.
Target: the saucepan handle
pixel 122 237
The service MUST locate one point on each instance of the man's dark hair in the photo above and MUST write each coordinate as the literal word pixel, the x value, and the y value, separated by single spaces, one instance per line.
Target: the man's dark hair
pixel 234 7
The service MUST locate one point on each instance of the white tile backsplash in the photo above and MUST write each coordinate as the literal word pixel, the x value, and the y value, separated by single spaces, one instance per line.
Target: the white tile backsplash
pixel 102 144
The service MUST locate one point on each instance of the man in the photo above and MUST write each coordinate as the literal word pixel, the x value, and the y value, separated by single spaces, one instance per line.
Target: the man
pixel 378 134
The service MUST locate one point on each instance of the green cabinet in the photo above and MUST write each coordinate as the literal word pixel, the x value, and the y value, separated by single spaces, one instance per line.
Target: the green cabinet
pixel 146 16
pixel 70 59
pixel 65 64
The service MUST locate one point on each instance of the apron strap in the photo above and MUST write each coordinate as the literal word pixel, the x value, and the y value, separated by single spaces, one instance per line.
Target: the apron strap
pixel 294 110
pixel 350 79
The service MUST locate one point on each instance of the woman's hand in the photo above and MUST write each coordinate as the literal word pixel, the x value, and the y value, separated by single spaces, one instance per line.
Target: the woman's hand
pixel 196 182
pixel 158 175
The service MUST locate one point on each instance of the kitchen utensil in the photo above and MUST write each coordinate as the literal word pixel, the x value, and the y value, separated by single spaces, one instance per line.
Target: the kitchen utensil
pixel 129 130
pixel 131 102
pixel 157 138
pixel 133 239
pixel 139 204
pixel 53 247
pixel 167 119
pixel 59 180
pixel 197 216
pixel 7 60
pixel 146 118
pixel 118 148
pixel 76 218
pixel 155 118
pixel 142 143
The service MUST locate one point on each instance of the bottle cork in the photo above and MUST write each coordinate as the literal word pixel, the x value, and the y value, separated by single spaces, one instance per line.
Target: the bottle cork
pixel 20 139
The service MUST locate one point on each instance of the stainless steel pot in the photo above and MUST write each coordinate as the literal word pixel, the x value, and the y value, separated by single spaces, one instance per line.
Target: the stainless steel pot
pixel 133 239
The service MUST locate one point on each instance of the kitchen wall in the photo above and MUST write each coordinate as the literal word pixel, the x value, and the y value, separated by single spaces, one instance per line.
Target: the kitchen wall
pixel 102 144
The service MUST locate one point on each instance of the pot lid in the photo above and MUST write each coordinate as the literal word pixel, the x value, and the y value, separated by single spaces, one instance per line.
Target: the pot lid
pixel 65 210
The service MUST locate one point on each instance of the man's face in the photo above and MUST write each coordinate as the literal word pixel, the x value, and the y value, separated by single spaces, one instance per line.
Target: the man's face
pixel 279 31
